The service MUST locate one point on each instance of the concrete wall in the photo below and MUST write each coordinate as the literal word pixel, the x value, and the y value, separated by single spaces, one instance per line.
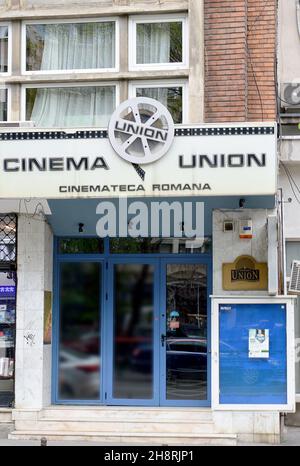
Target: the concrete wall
pixel 227 246
pixel 27 5
pixel 291 209
pixel 33 358
pixel 289 40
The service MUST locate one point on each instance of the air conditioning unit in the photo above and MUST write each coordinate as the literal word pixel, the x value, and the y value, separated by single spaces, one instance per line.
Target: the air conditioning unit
pixel 294 286
pixel 290 96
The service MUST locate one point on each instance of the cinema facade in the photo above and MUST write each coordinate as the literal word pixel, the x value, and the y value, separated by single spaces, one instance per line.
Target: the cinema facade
pixel 142 258
pixel 139 311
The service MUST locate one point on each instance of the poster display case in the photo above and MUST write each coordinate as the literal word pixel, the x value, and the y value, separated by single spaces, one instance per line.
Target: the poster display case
pixel 253 363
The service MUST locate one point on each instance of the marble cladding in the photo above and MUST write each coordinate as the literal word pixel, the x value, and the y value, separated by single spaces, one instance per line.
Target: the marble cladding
pixel 33 358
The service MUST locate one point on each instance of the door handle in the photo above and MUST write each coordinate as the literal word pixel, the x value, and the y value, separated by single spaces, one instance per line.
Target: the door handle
pixel 163 339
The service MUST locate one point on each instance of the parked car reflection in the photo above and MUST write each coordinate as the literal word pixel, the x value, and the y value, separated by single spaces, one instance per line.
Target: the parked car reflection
pixel 79 375
pixel 186 357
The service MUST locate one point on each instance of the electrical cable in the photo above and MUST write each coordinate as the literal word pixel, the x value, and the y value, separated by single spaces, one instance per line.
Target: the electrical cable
pixel 267 3
pixel 291 176
pixel 250 30
pixel 27 201
pixel 41 211
pixel 291 182
pixel 256 83
pixel 297 17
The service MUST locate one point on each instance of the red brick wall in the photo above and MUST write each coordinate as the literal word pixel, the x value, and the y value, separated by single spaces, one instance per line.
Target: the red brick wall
pixel 262 26
pixel 240 44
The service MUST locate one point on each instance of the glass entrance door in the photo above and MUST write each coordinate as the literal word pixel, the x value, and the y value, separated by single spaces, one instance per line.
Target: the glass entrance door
pixel 79 346
pixel 184 338
pixel 133 347
pixel 158 351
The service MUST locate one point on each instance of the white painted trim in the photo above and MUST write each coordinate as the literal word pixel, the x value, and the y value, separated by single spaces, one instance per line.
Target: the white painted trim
pixel 115 84
pixel 9 48
pixel 115 69
pixel 133 85
pixel 291 397
pixel 163 18
pixel 2 86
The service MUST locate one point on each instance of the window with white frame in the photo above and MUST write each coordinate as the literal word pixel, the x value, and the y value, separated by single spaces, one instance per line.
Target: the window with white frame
pixel 63 46
pixel 80 105
pixel 172 94
pixel 158 42
pixel 4 48
pixel 3 104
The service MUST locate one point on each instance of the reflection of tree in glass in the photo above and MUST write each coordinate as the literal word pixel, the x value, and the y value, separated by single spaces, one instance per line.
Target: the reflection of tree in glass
pixel 80 245
pixel 137 300
pixel 132 288
pixel 187 293
pixel 132 246
pixel 175 42
pixel 79 299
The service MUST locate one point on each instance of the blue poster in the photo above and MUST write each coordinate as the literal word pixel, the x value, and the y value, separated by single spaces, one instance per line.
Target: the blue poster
pixel 253 363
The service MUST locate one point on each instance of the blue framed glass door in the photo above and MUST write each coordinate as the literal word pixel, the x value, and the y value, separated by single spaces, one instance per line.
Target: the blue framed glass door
pixel 78 346
pixel 185 333
pixel 130 328
pixel 158 327
pixel 132 355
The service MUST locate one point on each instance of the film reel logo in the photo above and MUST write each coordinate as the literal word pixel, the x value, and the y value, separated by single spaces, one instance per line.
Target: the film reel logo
pixel 141 130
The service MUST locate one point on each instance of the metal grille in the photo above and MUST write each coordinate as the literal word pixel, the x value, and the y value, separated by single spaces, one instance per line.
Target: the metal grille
pixel 295 278
pixel 8 239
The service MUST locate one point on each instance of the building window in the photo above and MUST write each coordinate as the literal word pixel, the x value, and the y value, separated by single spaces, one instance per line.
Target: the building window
pixel 70 105
pixel 63 46
pixel 292 254
pixel 158 42
pixel 171 94
pixel 3 104
pixel 4 48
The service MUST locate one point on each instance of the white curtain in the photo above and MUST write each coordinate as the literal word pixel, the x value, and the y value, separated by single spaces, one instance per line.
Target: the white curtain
pixel 153 43
pixel 157 93
pixel 73 106
pixel 76 46
pixel 79 46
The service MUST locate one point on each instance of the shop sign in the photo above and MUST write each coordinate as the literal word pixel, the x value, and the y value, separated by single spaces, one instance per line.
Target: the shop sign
pixel 141 153
pixel 245 274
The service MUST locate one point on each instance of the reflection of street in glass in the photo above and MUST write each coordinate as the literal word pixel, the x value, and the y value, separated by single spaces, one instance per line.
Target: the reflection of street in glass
pixel 79 374
pixel 186 344
pixel 79 361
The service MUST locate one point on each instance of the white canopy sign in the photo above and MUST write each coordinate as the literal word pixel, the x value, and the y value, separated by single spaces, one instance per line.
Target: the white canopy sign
pixel 204 160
